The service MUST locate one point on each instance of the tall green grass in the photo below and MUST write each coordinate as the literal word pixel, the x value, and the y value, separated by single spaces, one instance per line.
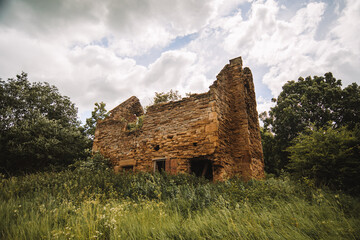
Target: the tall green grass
pixel 99 204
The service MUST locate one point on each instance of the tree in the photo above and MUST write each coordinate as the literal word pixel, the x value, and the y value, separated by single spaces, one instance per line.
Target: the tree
pixel 38 127
pixel 349 106
pixel 317 101
pixel 99 113
pixel 166 97
pixel 328 156
pixel 270 151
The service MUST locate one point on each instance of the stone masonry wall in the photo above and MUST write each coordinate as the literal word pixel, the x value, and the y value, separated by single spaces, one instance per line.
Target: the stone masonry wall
pixel 256 154
pixel 220 126
pixel 175 131
pixel 240 150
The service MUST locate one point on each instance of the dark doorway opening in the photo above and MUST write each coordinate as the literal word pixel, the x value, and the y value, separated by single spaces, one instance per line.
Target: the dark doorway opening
pixel 159 165
pixel 202 168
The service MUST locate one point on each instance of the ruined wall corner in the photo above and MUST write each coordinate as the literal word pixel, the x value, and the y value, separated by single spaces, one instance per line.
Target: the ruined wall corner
pixel 127 110
pixel 236 62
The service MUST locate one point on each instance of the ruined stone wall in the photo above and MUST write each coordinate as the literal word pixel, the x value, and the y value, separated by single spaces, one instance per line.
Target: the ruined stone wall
pixel 176 131
pixel 223 161
pixel 221 126
pixel 181 130
pixel 256 166
pixel 240 150
pixel 112 139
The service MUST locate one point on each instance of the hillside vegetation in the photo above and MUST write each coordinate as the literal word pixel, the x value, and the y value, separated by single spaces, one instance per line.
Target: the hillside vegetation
pixel 311 143
pixel 95 203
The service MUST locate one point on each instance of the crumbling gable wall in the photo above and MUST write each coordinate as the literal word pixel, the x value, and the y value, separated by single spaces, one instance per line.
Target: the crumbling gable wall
pixel 240 150
pixel 220 127
pixel 111 135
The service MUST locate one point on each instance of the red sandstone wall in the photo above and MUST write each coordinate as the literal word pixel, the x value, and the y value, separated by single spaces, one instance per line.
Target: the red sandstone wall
pixel 221 125
pixel 180 130
pixel 240 151
pixel 253 128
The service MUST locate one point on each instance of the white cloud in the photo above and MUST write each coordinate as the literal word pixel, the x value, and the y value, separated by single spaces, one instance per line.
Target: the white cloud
pixel 177 70
pixel 87 48
pixel 133 27
pixel 345 53
pixel 20 52
pixel 102 76
pixel 282 45
pixel 264 104
pixel 288 47
pixel 347 27
pixel 53 41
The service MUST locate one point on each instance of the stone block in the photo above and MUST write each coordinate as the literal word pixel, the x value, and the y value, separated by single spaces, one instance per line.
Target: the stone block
pixel 213 115
pixel 212 127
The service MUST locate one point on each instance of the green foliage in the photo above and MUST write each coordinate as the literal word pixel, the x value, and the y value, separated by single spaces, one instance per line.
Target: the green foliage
pixel 166 97
pixel 38 127
pixel 95 162
pixel 349 107
pixel 308 101
pixel 136 125
pixel 98 204
pixel 99 113
pixel 20 99
pixel 269 151
pixel 328 156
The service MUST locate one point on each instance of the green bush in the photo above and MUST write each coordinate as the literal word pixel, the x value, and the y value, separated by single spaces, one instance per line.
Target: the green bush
pixel 163 97
pixel 328 156
pixel 95 162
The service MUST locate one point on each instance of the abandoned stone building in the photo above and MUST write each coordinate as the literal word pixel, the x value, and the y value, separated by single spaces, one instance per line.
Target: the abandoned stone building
pixel 214 134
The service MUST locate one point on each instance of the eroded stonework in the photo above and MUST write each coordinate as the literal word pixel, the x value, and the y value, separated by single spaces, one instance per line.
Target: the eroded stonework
pixel 215 134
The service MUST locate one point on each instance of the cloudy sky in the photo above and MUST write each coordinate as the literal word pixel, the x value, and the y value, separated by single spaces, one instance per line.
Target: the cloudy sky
pixel 109 50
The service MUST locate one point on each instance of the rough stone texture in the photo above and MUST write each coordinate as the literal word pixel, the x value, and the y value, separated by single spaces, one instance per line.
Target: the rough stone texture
pixel 214 134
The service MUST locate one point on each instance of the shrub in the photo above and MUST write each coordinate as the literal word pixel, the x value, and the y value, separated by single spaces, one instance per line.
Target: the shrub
pixel 163 97
pixel 328 156
pixel 94 162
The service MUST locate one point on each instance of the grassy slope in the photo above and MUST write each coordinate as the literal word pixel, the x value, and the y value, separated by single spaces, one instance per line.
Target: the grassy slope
pixel 85 204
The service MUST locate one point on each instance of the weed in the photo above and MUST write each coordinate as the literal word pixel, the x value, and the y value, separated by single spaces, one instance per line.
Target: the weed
pixel 89 203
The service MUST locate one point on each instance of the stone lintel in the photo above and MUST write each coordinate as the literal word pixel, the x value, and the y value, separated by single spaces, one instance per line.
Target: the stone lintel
pixel 130 162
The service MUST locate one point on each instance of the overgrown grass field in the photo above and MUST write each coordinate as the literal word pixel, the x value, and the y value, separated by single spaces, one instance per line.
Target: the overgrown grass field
pixel 98 204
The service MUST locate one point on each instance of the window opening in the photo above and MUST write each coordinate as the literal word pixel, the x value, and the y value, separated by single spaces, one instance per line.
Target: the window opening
pixel 159 165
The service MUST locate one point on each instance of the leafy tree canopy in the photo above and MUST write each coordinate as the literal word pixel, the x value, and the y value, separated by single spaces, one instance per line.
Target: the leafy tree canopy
pixel 313 100
pixel 38 127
